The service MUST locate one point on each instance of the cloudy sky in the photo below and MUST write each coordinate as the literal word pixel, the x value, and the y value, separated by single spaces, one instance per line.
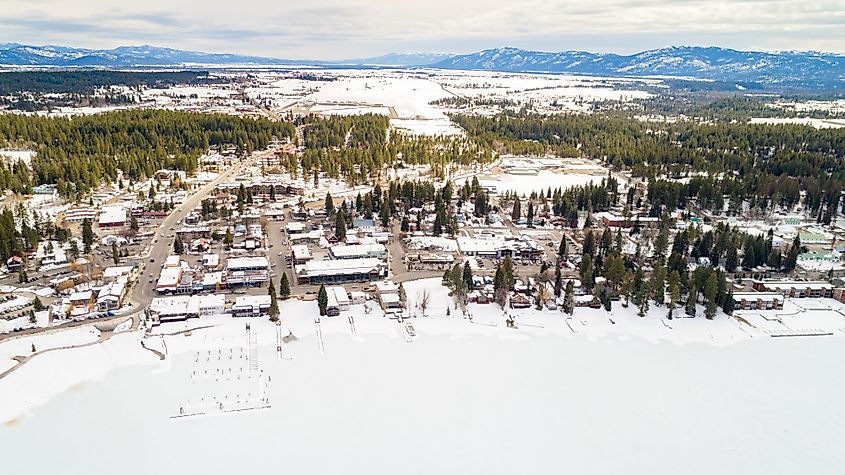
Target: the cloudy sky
pixel 337 29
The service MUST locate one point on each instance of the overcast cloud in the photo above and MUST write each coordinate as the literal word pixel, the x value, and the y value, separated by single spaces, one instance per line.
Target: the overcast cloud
pixel 337 29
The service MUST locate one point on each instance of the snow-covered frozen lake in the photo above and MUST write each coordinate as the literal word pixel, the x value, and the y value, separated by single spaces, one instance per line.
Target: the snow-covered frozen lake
pixel 460 398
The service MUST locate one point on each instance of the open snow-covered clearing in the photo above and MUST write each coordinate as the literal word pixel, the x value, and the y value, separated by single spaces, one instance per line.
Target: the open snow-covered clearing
pixel 457 396
pixel 817 123
pixel 544 179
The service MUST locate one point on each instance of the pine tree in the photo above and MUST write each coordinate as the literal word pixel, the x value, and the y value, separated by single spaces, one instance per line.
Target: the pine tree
pixel 87 235
pixel 178 247
pixel 114 254
pixel 710 289
pixel 516 213
pixel 340 225
pixel 561 250
pixel 37 304
pixel 273 311
pixel 792 256
pixel 322 299
pixel 731 258
pixel 674 291
pixel 728 305
pixel 558 282
pixel 586 272
pixel 284 286
pixel 133 224
pixel 690 305
pixel 658 285
pixel 329 204
pixel 530 215
pixel 569 298
pixel 467 276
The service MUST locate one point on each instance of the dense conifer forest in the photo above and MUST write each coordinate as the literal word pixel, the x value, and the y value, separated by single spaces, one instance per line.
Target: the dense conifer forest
pixel 80 153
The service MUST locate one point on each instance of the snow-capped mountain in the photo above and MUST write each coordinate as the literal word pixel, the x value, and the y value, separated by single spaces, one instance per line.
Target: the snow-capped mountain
pixel 783 68
pixel 124 56
pixel 811 70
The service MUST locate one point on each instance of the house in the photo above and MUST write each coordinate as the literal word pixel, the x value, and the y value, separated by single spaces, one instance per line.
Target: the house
pixel 110 296
pixel 14 264
pixel 519 301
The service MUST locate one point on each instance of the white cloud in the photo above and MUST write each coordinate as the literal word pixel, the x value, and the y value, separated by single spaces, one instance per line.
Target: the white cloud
pixel 353 28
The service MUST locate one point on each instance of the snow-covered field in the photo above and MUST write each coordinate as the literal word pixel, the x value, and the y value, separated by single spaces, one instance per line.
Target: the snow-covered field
pixel 525 184
pixel 817 123
pixel 583 394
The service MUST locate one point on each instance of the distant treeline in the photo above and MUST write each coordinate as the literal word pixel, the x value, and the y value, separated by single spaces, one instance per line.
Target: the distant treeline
pixel 84 82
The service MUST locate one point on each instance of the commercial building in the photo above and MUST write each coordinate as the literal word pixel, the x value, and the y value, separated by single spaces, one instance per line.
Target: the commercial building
pixel 497 247
pixel 210 261
pixel 112 216
pixel 247 264
pixel 795 288
pixel 301 253
pixel 339 271
pixel 169 309
pixel 359 251
pixel 169 280
pixel 251 306
pixel 247 271
pixel 337 300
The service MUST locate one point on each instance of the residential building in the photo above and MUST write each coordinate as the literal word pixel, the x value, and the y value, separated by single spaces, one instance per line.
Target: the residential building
pixel 758 301
pixel 795 288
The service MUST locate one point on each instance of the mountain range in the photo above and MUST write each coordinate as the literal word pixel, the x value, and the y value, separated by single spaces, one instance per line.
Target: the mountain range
pixel 763 69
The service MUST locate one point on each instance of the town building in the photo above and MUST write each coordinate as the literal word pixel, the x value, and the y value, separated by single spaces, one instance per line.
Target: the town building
pixel 758 301
pixel 77 215
pixel 388 296
pixel 182 307
pixel 110 296
pixel 358 251
pixel 251 306
pixel 112 216
pixel 301 253
pixel 337 300
pixel 247 271
pixel 339 271
pixel 795 288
